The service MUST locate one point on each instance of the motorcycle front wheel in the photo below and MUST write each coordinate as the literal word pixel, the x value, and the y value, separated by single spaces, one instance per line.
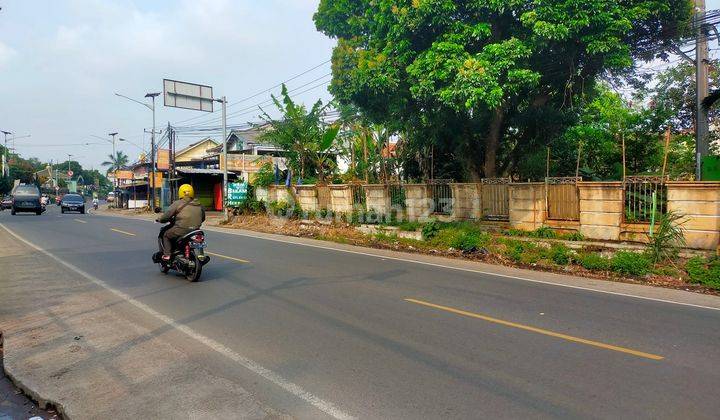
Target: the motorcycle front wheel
pixel 193 273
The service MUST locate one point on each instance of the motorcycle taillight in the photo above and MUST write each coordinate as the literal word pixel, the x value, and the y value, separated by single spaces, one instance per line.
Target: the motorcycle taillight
pixel 199 238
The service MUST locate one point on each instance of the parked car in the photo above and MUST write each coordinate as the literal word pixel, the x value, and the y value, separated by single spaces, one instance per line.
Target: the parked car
pixel 6 203
pixel 26 198
pixel 72 202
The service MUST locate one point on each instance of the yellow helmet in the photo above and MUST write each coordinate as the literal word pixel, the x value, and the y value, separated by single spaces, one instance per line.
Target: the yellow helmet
pixel 186 190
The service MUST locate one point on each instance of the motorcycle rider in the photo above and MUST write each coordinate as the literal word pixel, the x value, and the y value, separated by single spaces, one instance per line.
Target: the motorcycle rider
pixel 185 215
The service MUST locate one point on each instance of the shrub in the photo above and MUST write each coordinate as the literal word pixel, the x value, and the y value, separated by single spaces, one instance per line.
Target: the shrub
pixel 630 263
pixel 524 252
pixel 667 238
pixel 575 236
pixel 545 232
pixel 514 232
pixel 468 241
pixel 705 272
pixel 593 261
pixel 560 254
pixel 409 226
pixel 431 229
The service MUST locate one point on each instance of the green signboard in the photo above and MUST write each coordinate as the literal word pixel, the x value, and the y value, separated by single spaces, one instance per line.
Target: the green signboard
pixel 72 186
pixel 237 193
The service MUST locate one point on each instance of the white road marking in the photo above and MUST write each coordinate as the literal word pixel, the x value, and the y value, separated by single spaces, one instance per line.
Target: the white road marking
pixel 296 390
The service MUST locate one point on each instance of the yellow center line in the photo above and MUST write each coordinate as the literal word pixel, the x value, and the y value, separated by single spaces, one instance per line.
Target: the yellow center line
pixel 122 231
pixel 538 330
pixel 80 221
pixel 225 256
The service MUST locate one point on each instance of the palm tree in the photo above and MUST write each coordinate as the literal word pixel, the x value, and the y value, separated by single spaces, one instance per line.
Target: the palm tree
pixel 119 161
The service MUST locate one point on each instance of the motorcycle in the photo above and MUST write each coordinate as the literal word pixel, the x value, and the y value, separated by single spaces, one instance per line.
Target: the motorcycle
pixel 187 257
pixel 95 206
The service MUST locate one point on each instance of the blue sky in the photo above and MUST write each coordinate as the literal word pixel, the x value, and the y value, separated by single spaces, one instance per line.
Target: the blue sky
pixel 62 60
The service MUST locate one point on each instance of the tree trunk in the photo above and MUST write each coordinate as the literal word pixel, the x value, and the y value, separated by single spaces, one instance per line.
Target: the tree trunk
pixel 492 143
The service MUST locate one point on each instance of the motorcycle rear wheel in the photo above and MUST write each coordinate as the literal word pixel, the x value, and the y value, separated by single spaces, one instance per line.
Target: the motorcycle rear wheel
pixel 194 274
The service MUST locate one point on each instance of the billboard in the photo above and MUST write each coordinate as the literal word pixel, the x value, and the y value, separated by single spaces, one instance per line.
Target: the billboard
pixel 163 159
pixel 187 95
pixel 123 175
pixel 236 193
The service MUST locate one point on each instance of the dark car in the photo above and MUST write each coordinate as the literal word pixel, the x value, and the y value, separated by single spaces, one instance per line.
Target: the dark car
pixel 26 198
pixel 6 202
pixel 72 202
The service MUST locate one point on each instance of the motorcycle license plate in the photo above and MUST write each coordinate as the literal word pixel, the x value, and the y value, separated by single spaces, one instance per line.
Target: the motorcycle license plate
pixel 202 245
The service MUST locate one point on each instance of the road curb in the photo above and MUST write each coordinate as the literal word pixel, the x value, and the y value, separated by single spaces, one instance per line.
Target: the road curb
pixel 42 402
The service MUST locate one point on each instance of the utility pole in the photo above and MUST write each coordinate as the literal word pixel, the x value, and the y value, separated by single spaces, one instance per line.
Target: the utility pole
pixel 152 146
pixel 5 171
pixel 702 130
pixel 114 157
pixel 223 100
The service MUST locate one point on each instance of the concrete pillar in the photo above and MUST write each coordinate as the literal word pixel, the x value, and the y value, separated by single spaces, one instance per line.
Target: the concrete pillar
pixel 467 201
pixel 377 198
pixel 341 198
pixel 699 203
pixel 418 202
pixel 307 197
pixel 601 209
pixel 527 205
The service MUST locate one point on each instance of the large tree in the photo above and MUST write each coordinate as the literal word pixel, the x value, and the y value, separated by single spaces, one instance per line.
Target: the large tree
pixel 478 79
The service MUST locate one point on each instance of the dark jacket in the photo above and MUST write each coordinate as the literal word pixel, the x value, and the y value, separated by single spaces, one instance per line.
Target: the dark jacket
pixel 191 216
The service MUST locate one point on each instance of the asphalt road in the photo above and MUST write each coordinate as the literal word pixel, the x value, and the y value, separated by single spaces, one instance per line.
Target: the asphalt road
pixel 330 333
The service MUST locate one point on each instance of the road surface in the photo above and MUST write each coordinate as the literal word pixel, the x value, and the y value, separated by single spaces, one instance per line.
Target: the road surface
pixel 318 333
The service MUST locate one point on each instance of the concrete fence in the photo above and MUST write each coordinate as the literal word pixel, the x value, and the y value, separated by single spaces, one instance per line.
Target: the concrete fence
pixel 601 207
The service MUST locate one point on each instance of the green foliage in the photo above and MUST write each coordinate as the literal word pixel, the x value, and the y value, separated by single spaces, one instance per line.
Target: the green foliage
pixel 630 263
pixel 486 79
pixel 408 226
pixel 431 229
pixel 265 176
pixel 544 232
pixel 116 162
pixel 560 254
pixel 593 261
pixel 704 271
pixel 309 142
pixel 575 237
pixel 667 239
pixel 461 239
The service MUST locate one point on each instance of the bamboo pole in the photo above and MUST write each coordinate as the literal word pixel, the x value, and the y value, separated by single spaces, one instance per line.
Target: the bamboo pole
pixel 667 146
pixel 577 166
pixel 622 138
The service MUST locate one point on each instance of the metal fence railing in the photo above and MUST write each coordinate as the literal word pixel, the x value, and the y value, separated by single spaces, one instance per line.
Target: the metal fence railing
pixel 638 198
pixel 563 198
pixel 358 196
pixel 441 194
pixel 495 198
pixel 397 195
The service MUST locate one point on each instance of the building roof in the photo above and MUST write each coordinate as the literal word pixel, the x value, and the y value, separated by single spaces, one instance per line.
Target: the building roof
pixel 246 140
pixel 210 144
pixel 199 171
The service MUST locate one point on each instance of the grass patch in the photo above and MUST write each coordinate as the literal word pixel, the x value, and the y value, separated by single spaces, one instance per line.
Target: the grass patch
pixel 704 271
pixel 630 263
pixel 593 261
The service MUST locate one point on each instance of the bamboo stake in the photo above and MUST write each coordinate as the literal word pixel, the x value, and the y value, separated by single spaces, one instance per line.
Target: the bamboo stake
pixel 667 146
pixel 622 137
pixel 577 167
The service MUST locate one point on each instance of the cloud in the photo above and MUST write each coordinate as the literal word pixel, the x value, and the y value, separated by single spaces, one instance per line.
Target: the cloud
pixel 6 54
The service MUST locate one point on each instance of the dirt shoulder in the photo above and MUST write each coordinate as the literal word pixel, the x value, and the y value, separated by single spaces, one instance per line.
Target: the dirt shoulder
pixel 73 344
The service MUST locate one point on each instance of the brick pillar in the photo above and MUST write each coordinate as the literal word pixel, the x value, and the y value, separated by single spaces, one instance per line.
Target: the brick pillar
pixel 307 197
pixel 377 198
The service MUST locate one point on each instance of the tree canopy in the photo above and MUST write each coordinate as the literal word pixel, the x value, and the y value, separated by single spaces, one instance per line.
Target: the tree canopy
pixel 478 81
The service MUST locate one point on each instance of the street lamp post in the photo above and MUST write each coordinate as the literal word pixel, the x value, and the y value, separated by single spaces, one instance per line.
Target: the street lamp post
pixel 5 157
pixel 151 95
